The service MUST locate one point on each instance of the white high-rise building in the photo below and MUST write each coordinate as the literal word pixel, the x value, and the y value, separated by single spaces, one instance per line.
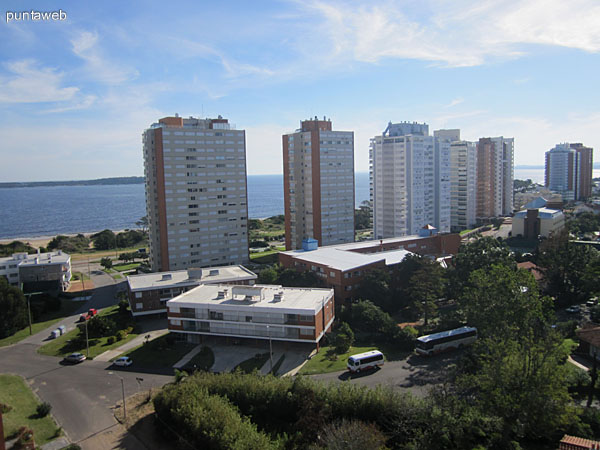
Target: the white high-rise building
pixel 410 176
pixel 196 196
pixel 561 171
pixel 318 184
pixel 463 180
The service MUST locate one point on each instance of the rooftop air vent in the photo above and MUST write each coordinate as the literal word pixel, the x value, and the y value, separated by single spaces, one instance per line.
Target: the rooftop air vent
pixel 166 276
pixel 213 272
pixel 278 296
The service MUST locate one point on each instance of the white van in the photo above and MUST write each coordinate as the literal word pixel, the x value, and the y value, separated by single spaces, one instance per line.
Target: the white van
pixel 366 360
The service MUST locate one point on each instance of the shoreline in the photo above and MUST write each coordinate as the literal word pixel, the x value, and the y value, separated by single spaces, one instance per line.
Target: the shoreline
pixel 42 241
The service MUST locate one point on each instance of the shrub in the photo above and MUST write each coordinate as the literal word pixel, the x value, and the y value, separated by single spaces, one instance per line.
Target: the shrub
pixel 111 340
pixel 129 330
pixel 43 409
pixel 123 307
pixel 4 408
pixel 120 335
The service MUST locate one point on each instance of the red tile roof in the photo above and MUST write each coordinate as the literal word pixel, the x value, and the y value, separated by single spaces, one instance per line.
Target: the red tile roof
pixel 576 443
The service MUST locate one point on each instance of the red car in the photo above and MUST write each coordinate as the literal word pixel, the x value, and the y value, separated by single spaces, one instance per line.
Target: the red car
pixel 91 313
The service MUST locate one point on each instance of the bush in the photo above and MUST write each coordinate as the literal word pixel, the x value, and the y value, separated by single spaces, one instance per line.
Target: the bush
pixel 111 340
pixel 120 335
pixel 43 409
pixel 123 307
pixel 99 326
pixel 258 244
pixel 4 408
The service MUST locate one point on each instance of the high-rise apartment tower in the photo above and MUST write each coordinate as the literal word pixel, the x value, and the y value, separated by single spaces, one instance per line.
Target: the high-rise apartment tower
pixel 569 171
pixel 196 198
pixel 410 177
pixel 495 177
pixel 318 178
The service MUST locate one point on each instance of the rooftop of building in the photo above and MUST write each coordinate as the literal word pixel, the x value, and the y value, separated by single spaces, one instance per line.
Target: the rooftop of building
pixel 341 257
pixel 543 213
pixel 25 259
pixel 190 277
pixel 292 300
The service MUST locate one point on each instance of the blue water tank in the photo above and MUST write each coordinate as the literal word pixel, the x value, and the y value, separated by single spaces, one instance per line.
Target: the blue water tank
pixel 309 244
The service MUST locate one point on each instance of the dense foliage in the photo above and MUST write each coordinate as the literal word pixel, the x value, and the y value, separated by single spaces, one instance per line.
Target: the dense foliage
pixel 13 309
pixel 107 240
pixel 278 274
pixel 69 244
pixel 15 247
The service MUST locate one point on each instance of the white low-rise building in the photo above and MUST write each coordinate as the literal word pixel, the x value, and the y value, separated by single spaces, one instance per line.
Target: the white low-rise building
pixel 256 312
pixel 535 222
pixel 21 268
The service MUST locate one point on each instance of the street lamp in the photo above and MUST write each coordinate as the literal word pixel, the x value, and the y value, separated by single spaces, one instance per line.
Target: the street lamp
pixel 123 393
pixel 270 347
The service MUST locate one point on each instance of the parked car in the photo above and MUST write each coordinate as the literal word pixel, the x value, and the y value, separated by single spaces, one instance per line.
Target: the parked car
pixel 123 361
pixel 75 358
pixel 592 301
pixel 573 309
pixel 87 316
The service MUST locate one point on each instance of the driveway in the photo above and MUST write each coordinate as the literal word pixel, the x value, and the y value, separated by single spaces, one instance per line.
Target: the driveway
pixel 415 374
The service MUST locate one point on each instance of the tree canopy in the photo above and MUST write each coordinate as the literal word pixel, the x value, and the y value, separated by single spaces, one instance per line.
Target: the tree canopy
pixel 13 309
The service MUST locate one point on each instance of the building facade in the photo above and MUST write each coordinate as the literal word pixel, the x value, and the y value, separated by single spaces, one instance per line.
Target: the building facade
pixel 535 222
pixel 318 177
pixel 569 171
pixel 343 267
pixel 463 181
pixel 43 271
pixel 253 312
pixel 410 180
pixel 148 293
pixel 196 197
pixel 495 177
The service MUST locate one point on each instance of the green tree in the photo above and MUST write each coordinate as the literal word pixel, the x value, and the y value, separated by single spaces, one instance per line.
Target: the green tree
pixel 106 263
pixel 362 216
pixel 567 268
pixel 479 254
pixel 13 309
pixel 105 240
pixel 15 247
pixel 503 303
pixel 268 275
pixel 375 287
pixel 143 224
pixel 343 338
pixel 98 326
pixel 426 287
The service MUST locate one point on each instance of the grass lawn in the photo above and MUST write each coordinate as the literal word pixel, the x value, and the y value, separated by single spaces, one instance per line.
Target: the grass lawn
pixel 116 276
pixel 249 365
pixel 79 276
pixel 268 257
pixel 62 345
pixel 202 361
pixel 94 255
pixel 124 267
pixel 158 354
pixel 320 363
pixel 14 392
pixel 67 307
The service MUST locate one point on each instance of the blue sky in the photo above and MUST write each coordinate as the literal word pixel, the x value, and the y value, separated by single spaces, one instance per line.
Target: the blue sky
pixel 75 95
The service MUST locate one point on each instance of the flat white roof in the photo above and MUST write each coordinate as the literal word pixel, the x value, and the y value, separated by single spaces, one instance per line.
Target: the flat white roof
pixel 339 257
pixel 24 259
pixel 254 298
pixel 543 213
pixel 190 277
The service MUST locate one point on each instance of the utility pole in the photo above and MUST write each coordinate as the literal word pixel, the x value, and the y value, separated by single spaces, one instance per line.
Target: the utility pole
pixel 2 443
pixel 124 407
pixel 87 341
pixel 29 312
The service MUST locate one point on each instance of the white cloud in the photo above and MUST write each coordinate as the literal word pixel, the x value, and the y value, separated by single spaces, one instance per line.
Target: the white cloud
pixel 30 83
pixel 98 67
pixel 454 33
pixel 456 101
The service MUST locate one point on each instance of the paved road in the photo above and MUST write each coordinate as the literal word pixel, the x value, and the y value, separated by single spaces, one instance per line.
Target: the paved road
pixel 416 374
pixel 83 395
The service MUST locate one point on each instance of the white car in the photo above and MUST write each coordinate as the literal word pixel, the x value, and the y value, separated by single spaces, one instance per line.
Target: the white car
pixel 123 361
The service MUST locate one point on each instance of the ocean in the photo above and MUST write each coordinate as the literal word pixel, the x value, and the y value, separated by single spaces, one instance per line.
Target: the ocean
pixel 48 211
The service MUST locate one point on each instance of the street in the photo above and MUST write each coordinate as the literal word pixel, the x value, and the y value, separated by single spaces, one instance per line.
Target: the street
pixel 82 395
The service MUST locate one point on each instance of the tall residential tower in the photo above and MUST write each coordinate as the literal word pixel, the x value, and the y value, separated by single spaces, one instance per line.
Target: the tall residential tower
pixel 318 178
pixel 495 177
pixel 569 171
pixel 196 198
pixel 410 175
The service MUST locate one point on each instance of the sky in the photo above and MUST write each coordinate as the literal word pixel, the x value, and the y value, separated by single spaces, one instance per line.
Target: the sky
pixel 76 94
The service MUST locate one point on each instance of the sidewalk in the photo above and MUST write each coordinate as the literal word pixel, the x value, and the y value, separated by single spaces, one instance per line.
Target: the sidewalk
pixel 139 340
pixel 188 357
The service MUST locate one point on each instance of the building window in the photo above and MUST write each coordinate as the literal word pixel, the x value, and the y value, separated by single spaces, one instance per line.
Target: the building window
pixel 138 295
pixel 332 274
pixel 139 306
pixel 248 318
pixel 175 322
pixel 302 318
pixel 305 332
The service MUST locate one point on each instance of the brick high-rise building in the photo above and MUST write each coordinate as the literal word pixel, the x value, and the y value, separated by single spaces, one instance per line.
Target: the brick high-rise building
pixel 196 197
pixel 318 184
pixel 495 177
pixel 586 162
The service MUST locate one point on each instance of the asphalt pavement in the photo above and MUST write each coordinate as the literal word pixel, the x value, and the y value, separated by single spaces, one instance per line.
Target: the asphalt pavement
pixel 82 395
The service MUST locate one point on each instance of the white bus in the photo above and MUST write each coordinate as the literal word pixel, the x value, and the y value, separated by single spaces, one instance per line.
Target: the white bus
pixel 367 360
pixel 446 340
